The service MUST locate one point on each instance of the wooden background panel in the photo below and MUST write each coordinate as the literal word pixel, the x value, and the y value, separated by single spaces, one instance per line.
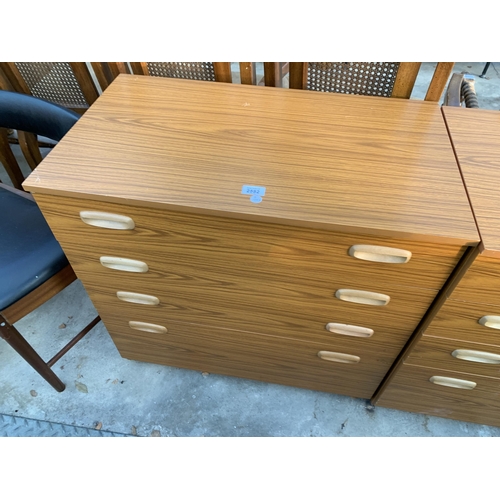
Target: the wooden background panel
pixel 337 161
pixel 436 352
pixel 258 357
pixel 460 321
pixel 296 254
pixel 411 390
pixel 475 134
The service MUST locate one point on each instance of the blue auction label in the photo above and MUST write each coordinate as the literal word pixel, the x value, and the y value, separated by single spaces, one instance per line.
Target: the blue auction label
pixel 256 192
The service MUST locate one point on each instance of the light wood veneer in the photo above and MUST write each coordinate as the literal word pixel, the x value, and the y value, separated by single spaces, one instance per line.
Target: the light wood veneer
pixel 475 137
pixel 412 390
pixel 243 288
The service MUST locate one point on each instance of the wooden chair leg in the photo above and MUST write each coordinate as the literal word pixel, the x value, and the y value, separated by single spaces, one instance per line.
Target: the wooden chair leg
pixel 11 335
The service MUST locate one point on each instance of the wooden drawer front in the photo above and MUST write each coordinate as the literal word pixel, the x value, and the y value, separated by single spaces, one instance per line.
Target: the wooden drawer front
pixel 411 390
pixel 256 249
pixel 469 357
pixel 481 283
pixel 253 304
pixel 460 321
pixel 248 355
pixel 381 349
pixel 207 280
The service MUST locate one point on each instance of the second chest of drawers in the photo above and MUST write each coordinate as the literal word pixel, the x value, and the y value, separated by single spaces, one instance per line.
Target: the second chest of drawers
pixel 454 369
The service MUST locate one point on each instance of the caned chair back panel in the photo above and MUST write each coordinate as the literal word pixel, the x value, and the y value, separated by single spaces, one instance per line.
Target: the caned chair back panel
pixel 64 83
pixel 209 71
pixel 382 79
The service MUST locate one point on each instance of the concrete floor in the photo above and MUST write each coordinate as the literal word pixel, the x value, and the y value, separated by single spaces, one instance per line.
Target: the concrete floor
pixel 108 392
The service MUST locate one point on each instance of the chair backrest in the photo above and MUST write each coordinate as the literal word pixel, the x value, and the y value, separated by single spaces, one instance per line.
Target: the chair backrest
pixel 383 79
pixel 210 71
pixel 69 84
pixel 461 91
pixel 31 114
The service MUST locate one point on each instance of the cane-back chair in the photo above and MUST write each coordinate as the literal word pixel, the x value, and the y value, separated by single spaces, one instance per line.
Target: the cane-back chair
pixel 382 79
pixel 69 84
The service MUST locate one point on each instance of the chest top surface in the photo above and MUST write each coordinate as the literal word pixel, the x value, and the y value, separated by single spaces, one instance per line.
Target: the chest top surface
pixel 335 161
pixel 475 134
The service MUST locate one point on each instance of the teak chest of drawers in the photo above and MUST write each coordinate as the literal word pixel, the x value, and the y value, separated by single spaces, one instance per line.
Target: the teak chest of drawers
pixel 280 235
pixel 453 369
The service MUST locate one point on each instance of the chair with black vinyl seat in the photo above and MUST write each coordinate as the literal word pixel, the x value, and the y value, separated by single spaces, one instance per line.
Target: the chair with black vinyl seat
pixel 33 267
pixel 69 84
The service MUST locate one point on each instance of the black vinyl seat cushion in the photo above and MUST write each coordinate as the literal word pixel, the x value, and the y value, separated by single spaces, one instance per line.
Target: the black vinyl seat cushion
pixel 29 253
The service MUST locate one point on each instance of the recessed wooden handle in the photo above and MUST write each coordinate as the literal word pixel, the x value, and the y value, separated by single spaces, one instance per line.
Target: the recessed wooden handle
pixel 138 298
pixel 363 297
pixel 121 264
pixel 376 253
pixel 490 322
pixel 339 357
pixel 351 330
pixel 107 220
pixel 477 356
pixel 147 327
pixel 456 383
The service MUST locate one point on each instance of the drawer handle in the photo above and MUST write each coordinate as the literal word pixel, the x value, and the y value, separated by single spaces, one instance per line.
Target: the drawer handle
pixel 477 356
pixel 138 298
pixel 121 264
pixel 363 297
pixel 107 220
pixel 339 357
pixel 376 253
pixel 453 382
pixel 490 322
pixel 147 327
pixel 351 330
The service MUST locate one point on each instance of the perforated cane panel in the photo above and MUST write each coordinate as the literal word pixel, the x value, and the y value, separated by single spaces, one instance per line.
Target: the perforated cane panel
pixel 54 82
pixel 362 78
pixel 188 70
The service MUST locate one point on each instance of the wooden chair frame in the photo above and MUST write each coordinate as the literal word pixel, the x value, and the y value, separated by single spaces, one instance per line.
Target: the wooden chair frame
pixel 222 70
pixel 108 71
pixel 80 70
pixel 461 91
pixel 403 86
pixel 11 79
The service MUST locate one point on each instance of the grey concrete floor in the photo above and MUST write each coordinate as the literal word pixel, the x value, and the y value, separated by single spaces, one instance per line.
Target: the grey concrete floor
pixel 107 392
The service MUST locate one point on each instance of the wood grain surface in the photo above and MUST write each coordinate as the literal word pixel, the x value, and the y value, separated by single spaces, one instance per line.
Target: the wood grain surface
pixel 243 354
pixel 254 248
pixel 435 352
pixel 351 163
pixel 250 305
pixel 475 134
pixel 460 321
pixel 412 391
pixel 481 283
